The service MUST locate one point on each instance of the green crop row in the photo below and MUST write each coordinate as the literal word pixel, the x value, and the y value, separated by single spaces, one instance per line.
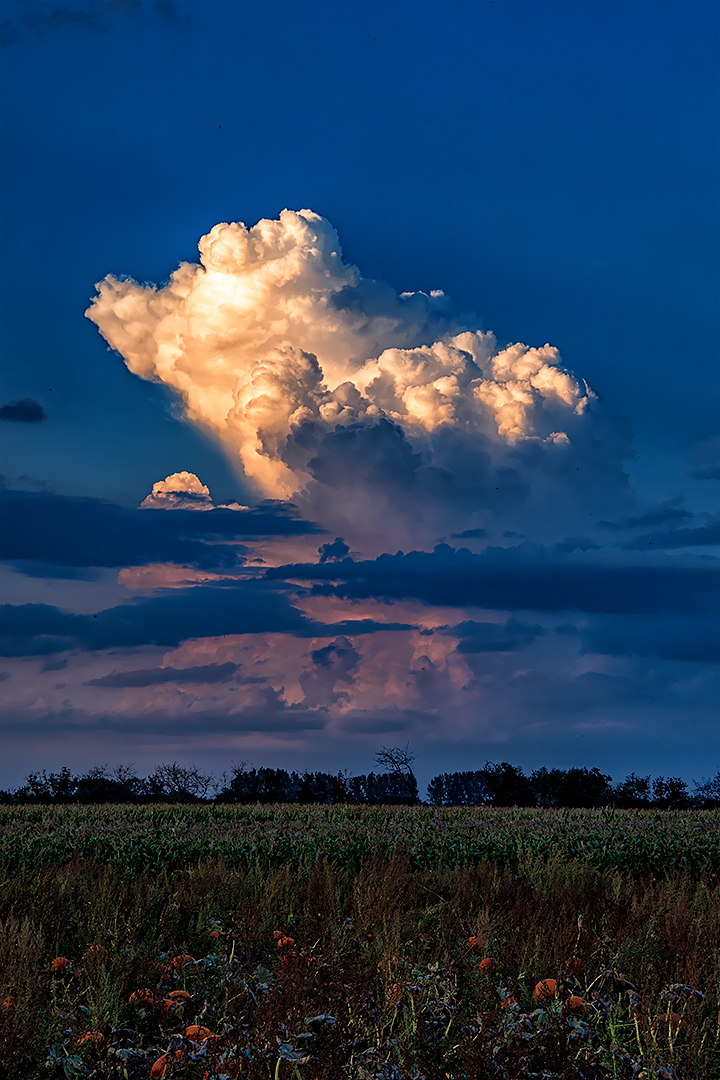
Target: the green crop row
pixel 170 837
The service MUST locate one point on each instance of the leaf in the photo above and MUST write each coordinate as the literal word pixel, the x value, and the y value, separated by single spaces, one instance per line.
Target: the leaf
pixel 316 1021
pixel 287 1053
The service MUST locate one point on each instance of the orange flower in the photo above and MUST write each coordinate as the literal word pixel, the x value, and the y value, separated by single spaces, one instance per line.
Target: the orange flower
pixel 393 995
pixel 312 959
pixel 59 965
pixel 94 1038
pixel 196 1033
pixel 214 933
pixel 288 958
pixel 545 990
pixel 8 1003
pixel 507 1002
pixel 488 965
pixel 278 934
pixel 475 944
pixel 285 942
pixel 141 997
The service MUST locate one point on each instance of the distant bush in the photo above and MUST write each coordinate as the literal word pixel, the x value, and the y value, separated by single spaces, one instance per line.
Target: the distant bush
pixel 503 785
pixel 507 785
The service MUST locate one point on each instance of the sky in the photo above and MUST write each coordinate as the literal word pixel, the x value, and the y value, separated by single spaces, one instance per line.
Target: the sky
pixel 360 384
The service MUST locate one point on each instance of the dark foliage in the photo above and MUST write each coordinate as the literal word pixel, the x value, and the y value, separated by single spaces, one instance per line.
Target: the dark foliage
pixel 494 785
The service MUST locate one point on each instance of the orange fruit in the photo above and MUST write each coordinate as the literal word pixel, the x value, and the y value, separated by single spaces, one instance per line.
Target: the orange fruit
pixel 197 1033
pixel 545 990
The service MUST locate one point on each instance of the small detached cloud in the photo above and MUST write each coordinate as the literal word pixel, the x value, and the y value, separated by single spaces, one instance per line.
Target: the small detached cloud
pixel 179 491
pixel 24 411
pixel 469 534
pixel 332 552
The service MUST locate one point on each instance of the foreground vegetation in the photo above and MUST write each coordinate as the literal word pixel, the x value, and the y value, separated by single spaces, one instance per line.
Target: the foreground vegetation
pixel 316 943
pixel 155 837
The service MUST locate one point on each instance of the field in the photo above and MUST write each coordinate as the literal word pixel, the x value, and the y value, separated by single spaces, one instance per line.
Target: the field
pixel 318 943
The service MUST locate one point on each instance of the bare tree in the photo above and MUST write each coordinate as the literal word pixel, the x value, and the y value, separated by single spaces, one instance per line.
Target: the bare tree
pixel 180 783
pixel 397 761
pixel 223 782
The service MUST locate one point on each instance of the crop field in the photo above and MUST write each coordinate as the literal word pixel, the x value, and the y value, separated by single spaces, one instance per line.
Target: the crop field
pixel 331 942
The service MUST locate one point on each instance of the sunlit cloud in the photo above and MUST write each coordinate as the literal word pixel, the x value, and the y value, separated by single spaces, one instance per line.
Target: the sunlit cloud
pixel 367 407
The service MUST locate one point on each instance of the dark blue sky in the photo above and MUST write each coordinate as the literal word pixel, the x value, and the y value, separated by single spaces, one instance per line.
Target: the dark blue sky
pixel 553 167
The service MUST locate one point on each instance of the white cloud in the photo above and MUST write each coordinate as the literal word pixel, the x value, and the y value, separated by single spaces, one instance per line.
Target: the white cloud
pixel 276 345
pixel 179 491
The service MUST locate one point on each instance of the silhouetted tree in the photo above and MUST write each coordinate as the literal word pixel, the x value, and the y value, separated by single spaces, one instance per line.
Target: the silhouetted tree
pixel 177 783
pixel 707 792
pixel 671 793
pixel 507 785
pixel 633 793
pixel 571 787
pixel 459 789
pixel 397 763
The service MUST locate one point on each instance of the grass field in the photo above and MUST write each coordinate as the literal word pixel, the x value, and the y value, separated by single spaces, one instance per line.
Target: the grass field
pixel 318 943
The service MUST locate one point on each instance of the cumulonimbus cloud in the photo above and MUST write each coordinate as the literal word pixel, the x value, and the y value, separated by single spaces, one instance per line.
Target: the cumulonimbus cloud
pixel 313 377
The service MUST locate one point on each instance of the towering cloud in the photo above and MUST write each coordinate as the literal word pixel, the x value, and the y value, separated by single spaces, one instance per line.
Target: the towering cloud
pixel 353 400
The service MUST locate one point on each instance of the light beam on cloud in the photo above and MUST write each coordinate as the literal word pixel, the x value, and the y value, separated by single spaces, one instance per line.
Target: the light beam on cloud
pixel 316 380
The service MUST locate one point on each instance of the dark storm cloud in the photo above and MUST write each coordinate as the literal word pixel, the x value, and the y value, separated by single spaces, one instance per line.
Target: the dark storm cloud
pixel 379 457
pixel 38 629
pixel 205 673
pixel 204 611
pixel 674 526
pixel 528 577
pixel 25 411
pixel 477 637
pixel 331 552
pixel 695 639
pixel 668 514
pixel 698 536
pixel 81 532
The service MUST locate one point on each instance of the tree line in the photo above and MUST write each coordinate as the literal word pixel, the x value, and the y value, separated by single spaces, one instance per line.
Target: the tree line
pixel 494 785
